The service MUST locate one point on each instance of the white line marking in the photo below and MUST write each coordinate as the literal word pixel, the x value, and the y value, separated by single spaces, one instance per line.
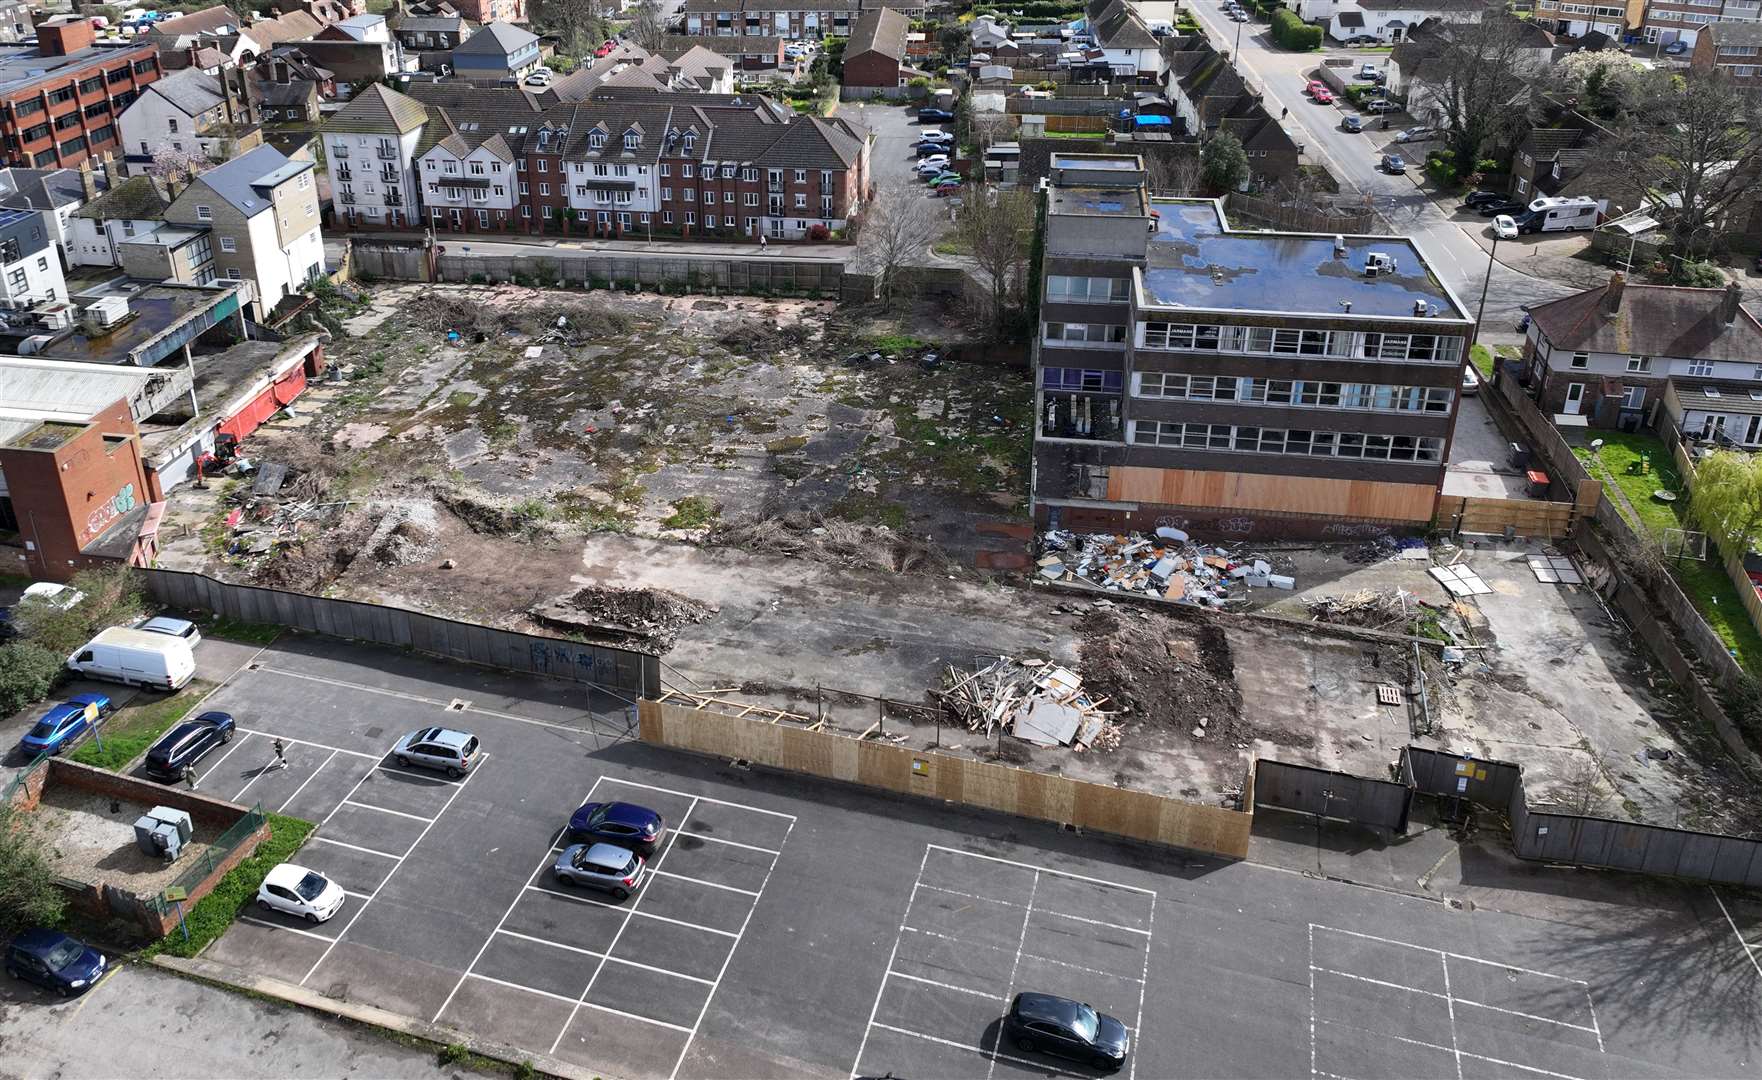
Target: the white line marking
pixel 701 881
pixel 362 908
pixel 1026 956
pixel 358 896
pixel 632 1016
pixel 1450 1005
pixel 591 721
pixel 412 774
pixel 732 843
pixel 277 926
pixel 643 914
pixel 517 986
pixel 1039 870
pixel 1749 950
pixel 945 986
pixel 306 781
pixel 383 810
pixel 619 934
pixel 891 957
pixel 1453 956
pixel 309 742
pixel 1041 911
pixel 221 760
pixel 603 956
pixel 703 798
pixel 1138 1021
pixel 1313 1070
pixel 1448 1050
pixel 1010 987
pixel 1451 997
pixel 992 1055
pixel 357 847
pixel 258 775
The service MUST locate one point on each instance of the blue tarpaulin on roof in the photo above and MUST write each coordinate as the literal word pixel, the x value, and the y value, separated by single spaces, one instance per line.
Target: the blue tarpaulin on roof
pixel 1151 121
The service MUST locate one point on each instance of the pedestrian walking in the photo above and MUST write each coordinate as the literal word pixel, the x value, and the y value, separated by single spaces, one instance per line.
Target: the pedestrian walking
pixel 281 755
pixel 190 777
pixel 762 243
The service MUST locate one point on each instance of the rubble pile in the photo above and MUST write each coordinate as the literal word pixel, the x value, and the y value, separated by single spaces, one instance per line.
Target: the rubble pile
pixel 406 535
pixel 1164 673
pixel 1034 700
pixel 828 539
pixel 1165 566
pixel 1366 608
pixel 648 618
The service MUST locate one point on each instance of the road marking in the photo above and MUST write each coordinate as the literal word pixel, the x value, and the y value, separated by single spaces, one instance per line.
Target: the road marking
pixel 1042 911
pixel 1749 950
pixel 1450 1004
pixel 358 847
pixel 1042 870
pixel 1449 997
pixel 703 798
pixel 1026 956
pixel 891 957
pixel 701 881
pixel 607 957
pixel 358 896
pixel 632 1016
pixel 945 986
pixel 733 843
pixel 993 1055
pixel 412 774
pixel 1452 955
pixel 306 781
pixel 309 742
pixel 592 721
pixel 383 810
pixel 1015 965
pixel 253 920
pixel 644 914
pixel 1465 1053
pixel 1143 983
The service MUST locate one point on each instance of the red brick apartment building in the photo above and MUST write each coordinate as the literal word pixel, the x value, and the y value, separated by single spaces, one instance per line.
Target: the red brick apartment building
pixel 59 99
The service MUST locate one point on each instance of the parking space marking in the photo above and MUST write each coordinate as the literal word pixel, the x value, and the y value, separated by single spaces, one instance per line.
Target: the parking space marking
pixel 229 750
pixel 1022 943
pixel 604 956
pixel 413 846
pixel 1749 949
pixel 309 742
pixel 701 881
pixel 947 986
pixel 1452 999
pixel 1037 869
pixel 357 847
pixel 290 929
pixel 643 914
pixel 358 895
pixel 1464 1053
pixel 256 776
pixel 383 810
pixel 1042 911
pixel 993 1055
pixel 1037 958
pixel 704 798
pixel 734 843
pixel 592 727
pixel 308 780
pixel 411 774
pixel 630 1016
pixel 517 986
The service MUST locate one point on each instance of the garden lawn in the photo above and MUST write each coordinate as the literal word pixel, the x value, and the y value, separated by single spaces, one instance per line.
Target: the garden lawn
pixel 133 728
pixel 236 891
pixel 1705 583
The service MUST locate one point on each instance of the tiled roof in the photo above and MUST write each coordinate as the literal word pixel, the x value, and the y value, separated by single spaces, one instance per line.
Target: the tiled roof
pixel 379 109
pixel 244 180
pixel 1652 320
pixel 1735 33
pixel 139 198
pixel 215 20
pixel 432 24
pixel 285 95
pixel 1544 143
pixel 192 90
pixel 496 39
pixel 881 31
pixel 1119 26
pixel 741 45
pixel 44 189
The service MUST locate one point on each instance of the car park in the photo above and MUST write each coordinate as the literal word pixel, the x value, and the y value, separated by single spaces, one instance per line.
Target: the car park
pixel 1393 163
pixel 1353 124
pixel 1504 227
pixel 54 961
pixel 607 867
pixel 441 748
pixel 186 743
pixel 63 724
pixel 1323 96
pixel 619 823
pixel 295 890
pixel 935 116
pixel 1049 1024
pixel 178 628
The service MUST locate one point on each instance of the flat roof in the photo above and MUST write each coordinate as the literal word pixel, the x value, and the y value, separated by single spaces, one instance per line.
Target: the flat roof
pixel 49 435
pixel 1097 201
pixel 1099 162
pixel 22 65
pixel 155 311
pixel 1196 261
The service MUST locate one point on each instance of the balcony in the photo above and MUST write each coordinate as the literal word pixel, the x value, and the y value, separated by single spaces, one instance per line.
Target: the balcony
pixel 388 153
pixel 341 153
pixel 390 176
pixel 775 188
pixel 346 198
pixel 393 198
pixel 344 174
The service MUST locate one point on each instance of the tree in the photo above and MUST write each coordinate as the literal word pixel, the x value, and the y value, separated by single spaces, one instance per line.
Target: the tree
pixel 897 227
pixel 1697 139
pixel 178 166
pixel 994 225
pixel 1726 502
pixel 578 24
pixel 29 895
pixel 1479 71
pixel 648 25
pixel 1223 164
pixel 112 596
pixel 27 673
pixel 1176 174
pixel 1606 82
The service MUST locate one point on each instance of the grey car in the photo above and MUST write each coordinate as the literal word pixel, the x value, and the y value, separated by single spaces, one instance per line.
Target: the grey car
pixel 607 867
pixel 453 752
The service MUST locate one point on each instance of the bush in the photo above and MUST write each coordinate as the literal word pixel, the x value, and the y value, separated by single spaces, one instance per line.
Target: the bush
pixel 112 596
pixel 1441 167
pixel 27 673
pixel 1698 275
pixel 819 232
pixel 29 895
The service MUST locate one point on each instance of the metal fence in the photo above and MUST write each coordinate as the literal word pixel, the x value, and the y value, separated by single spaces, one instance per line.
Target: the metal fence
pixel 197 872
pixel 631 674
pixel 1330 794
pixel 1436 772
pixel 22 778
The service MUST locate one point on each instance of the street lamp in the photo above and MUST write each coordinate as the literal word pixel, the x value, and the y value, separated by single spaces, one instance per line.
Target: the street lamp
pixel 1237 55
pixel 1481 312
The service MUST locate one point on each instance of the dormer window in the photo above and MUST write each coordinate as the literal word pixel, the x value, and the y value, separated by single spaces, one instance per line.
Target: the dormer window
pixel 632 140
pixel 690 141
pixel 596 140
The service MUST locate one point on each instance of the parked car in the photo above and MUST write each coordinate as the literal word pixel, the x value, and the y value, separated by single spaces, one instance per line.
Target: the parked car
pixel 538 78
pixel 185 744
pixel 1500 206
pixel 295 890
pixel 61 596
pixel 451 751
pixel 1418 134
pixel 135 658
pixel 1323 96
pixel 1393 163
pixel 621 824
pixel 946 188
pixel 1353 124
pixel 932 166
pixel 1238 15
pixel 935 116
pixel 943 178
pixel 1380 106
pixel 54 961
pixel 1676 48
pixel 1371 72
pixel 1505 227
pixel 1471 380
pixel 178 628
pixel 63 724
pixel 1364 39
pixel 1475 198
pixel 605 48
pixel 1314 85
pixel 1065 1028
pixel 933 149
pixel 607 867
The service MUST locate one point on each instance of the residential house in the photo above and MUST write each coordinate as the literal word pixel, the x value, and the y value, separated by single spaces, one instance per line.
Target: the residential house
pixel 131 208
pixel 352 64
pixel 1391 20
pixel 744 53
pixel 1206 95
pixel 498 51
pixel 357 28
pixel 189 112
pixel 293 102
pixel 1581 18
pixel 58 193
pixel 1668 22
pixel 59 98
pixel 263 35
pixel 789 19
pixel 875 55
pixel 1732 48
pixel 432 33
pixel 262 212
pixel 1416 73
pixel 986 34
pixel 216 21
pixel 30 266
pixel 179 254
pixel 370 152
pixel 325 11
pixel 1120 32
pixel 1616 355
pixel 695 70
pixel 1560 155
pixel 480 12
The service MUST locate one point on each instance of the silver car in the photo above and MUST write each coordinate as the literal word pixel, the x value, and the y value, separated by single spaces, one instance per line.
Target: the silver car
pixel 607 867
pixel 438 748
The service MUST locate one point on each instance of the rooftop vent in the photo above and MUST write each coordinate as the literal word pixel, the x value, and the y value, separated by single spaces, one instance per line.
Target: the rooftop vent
pixel 1420 309
pixel 1339 246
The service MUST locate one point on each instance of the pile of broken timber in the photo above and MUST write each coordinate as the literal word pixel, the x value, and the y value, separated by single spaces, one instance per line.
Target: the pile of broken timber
pixel 1036 701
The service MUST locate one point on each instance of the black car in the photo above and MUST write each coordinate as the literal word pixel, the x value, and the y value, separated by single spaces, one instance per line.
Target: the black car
pixel 185 744
pixel 934 116
pixel 1474 198
pixel 1065 1028
pixel 624 824
pixel 1495 207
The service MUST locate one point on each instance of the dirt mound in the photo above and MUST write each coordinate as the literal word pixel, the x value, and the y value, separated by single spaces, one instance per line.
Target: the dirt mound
pixel 1178 676
pixel 833 540
pixel 649 619
pixel 759 339
pixel 501 312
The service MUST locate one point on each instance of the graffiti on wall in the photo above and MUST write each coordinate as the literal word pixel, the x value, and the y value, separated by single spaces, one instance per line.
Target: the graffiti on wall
pixel 108 511
pixel 1364 529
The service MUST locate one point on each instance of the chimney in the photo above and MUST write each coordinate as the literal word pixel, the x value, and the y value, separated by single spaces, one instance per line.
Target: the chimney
pixel 112 170
pixel 1728 307
pixel 1612 294
pixel 64 35
pixel 88 180
pixel 280 66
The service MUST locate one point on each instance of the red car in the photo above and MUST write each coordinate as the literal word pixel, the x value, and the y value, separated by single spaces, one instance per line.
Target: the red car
pixel 1315 87
pixel 1323 96
pixel 605 49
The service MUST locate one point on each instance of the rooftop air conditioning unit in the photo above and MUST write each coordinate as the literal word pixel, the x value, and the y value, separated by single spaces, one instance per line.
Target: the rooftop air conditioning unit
pixel 55 316
pixel 107 312
pixel 1378 262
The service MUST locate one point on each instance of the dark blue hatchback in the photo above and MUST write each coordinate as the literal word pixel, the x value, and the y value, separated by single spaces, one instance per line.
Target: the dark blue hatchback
pixel 54 961
pixel 627 825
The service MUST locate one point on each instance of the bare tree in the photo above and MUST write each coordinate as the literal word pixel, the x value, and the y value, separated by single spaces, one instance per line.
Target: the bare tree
pixel 648 25
pixel 1696 138
pixel 1480 69
pixel 577 23
pixel 896 229
pixel 1173 174
pixel 178 166
pixel 994 224
pixel 987 129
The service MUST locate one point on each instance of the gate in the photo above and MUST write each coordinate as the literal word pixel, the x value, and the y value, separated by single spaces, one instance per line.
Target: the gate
pixel 1330 794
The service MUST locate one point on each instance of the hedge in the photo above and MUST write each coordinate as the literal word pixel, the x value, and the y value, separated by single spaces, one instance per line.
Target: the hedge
pixel 1293 33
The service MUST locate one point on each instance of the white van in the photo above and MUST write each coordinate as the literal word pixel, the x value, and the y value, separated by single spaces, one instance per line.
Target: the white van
pixel 136 658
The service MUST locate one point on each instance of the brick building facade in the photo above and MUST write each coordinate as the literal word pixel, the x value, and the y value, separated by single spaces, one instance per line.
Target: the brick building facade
pixel 69 483
pixel 62 96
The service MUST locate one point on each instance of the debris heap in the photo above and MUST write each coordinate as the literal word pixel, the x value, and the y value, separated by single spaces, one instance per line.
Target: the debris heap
pixel 1034 700
pixel 645 619
pixel 1167 566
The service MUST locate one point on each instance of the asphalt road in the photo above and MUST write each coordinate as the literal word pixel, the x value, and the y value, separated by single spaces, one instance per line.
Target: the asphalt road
pixel 1352 158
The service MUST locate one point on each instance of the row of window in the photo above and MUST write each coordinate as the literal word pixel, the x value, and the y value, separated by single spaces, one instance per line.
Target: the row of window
pixel 687 170
pixel 1273 341
pixel 1091 290
pixel 1300 393
pixel 1642 365
pixel 1059 333
pixel 603 217
pixel 1255 440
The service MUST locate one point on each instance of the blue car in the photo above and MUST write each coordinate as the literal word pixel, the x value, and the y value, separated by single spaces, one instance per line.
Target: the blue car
pixel 625 824
pixel 54 961
pixel 64 723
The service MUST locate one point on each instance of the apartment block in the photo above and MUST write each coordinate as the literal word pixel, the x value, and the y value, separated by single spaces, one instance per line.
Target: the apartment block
pixel 1733 48
pixel 62 96
pixel 1271 383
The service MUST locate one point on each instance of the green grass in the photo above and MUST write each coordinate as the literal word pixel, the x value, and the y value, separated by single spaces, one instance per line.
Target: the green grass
pixel 134 728
pixel 951 246
pixel 216 911
pixel 245 633
pixel 692 512
pixel 1705 583
pixel 1482 357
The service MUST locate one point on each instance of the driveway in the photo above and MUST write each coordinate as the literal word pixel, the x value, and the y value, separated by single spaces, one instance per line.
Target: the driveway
pixel 896 129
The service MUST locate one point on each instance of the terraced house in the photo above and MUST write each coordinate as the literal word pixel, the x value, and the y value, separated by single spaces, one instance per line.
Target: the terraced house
pixel 636 163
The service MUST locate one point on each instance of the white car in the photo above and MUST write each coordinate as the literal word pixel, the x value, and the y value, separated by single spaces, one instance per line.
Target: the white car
pixel 1504 227
pixel 165 624
pixel 61 596
pixel 295 890
pixel 1419 134
pixel 932 165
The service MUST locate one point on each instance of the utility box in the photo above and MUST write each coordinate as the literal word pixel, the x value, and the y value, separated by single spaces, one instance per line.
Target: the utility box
pixel 144 827
pixel 167 841
pixel 1520 456
pixel 179 819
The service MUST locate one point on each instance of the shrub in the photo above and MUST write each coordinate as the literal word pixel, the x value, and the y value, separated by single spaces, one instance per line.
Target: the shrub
pixel 1441 167
pixel 1293 33
pixel 27 673
pixel 819 232
pixel 1698 275
pixel 29 895
pixel 212 914
pixel 113 596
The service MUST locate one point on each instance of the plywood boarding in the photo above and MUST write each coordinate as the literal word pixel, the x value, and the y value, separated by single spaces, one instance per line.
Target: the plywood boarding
pixel 1527 517
pixel 1047 797
pixel 1285 494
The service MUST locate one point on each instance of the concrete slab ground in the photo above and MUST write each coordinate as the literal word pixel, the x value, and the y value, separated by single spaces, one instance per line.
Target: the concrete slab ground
pixel 796 928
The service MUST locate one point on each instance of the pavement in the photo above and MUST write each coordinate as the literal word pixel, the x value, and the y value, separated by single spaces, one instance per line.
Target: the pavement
pixel 806 929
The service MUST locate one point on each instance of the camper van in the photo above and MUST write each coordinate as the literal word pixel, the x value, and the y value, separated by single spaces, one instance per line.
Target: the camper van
pixel 136 658
pixel 1559 215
